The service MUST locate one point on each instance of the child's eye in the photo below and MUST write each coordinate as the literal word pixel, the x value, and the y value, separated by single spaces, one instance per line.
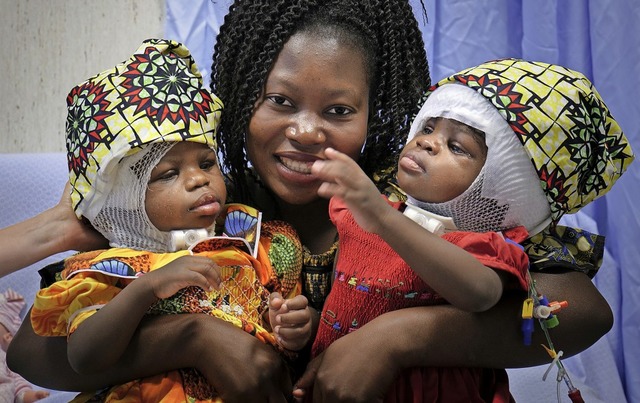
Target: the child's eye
pixel 164 176
pixel 340 110
pixel 208 164
pixel 458 150
pixel 168 175
pixel 427 130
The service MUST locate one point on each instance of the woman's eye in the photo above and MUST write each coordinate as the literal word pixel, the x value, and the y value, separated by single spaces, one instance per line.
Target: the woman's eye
pixel 278 100
pixel 340 110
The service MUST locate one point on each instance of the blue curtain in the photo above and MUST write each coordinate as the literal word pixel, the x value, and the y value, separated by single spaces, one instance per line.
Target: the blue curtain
pixel 597 37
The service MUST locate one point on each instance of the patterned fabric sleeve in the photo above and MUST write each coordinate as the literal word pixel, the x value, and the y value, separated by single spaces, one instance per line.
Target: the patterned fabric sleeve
pixel 59 309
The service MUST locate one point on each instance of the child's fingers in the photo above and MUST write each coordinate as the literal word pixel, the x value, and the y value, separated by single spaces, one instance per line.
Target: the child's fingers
pixel 275 301
pixel 208 269
pixel 299 333
pixel 294 318
pixel 297 302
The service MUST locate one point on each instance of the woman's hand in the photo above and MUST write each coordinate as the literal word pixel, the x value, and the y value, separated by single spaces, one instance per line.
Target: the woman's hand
pixel 355 368
pixel 53 231
pixel 362 365
pixel 239 367
pixel 76 234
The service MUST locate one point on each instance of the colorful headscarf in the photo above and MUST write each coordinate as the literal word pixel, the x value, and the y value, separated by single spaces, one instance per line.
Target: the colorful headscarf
pixel 155 96
pixel 505 194
pixel 578 150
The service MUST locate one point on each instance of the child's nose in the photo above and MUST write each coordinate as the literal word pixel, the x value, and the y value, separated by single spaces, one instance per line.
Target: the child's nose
pixel 429 143
pixel 197 179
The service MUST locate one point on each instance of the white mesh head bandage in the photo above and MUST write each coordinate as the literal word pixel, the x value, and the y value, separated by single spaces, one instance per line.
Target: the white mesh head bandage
pixel 122 218
pixel 507 191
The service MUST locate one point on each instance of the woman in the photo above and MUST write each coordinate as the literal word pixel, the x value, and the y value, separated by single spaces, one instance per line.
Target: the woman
pixel 284 124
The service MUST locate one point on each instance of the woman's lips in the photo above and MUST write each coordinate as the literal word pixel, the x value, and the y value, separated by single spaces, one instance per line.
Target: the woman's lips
pixel 302 167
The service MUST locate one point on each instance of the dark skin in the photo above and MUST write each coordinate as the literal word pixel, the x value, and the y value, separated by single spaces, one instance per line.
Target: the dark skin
pixel 146 356
pixel 245 369
pixel 499 346
pixel 425 323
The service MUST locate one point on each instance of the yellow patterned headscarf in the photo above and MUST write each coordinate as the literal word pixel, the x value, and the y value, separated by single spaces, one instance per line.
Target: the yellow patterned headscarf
pixel 578 150
pixel 156 95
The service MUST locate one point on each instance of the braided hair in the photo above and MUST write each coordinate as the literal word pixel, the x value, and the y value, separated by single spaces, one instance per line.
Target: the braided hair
pixel 254 32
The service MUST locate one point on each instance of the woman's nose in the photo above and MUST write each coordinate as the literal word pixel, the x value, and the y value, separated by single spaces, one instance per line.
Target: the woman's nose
pixel 307 130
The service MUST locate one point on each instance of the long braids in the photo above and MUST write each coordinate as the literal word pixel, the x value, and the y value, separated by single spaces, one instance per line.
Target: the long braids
pixel 254 32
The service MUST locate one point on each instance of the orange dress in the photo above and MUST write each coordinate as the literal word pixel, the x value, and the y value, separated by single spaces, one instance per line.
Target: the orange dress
pixel 90 280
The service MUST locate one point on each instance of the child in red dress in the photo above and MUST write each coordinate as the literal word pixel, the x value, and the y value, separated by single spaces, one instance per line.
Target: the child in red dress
pixel 498 153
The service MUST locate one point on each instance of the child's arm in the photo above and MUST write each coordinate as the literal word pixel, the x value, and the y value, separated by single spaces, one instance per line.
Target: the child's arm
pixel 455 274
pixel 100 340
pixel 292 321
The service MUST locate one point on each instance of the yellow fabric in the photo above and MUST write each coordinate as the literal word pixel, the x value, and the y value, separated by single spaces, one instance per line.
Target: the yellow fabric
pixel 156 95
pixel 94 278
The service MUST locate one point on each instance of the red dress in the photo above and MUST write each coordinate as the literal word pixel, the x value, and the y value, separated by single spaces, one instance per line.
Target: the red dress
pixel 371 279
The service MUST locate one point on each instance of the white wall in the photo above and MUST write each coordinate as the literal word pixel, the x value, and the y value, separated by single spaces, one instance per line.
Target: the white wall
pixel 49 46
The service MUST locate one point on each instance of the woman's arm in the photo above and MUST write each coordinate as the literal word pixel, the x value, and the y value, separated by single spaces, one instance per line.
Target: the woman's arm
pixel 363 364
pixel 53 231
pixel 238 365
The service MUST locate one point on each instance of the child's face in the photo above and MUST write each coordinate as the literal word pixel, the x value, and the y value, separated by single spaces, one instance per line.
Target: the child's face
pixel 441 161
pixel 186 189
pixel 316 96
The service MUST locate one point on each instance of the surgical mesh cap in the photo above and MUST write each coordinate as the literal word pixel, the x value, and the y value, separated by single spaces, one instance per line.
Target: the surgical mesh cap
pixel 556 121
pixel 141 106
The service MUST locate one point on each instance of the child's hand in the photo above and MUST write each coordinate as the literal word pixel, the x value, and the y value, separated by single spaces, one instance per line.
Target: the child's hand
pixel 343 178
pixel 183 272
pixel 290 320
pixel 30 395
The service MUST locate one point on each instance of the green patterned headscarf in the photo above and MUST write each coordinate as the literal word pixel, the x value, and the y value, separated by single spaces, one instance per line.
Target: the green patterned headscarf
pixel 578 150
pixel 155 96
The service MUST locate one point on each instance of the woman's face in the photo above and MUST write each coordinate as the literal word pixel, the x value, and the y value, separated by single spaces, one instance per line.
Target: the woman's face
pixel 316 96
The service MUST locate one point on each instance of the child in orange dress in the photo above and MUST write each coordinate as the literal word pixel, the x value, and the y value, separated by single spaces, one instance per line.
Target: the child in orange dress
pixel 144 171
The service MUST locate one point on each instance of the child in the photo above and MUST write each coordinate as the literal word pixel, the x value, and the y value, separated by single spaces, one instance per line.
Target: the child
pixel 144 172
pixel 497 152
pixel 13 387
